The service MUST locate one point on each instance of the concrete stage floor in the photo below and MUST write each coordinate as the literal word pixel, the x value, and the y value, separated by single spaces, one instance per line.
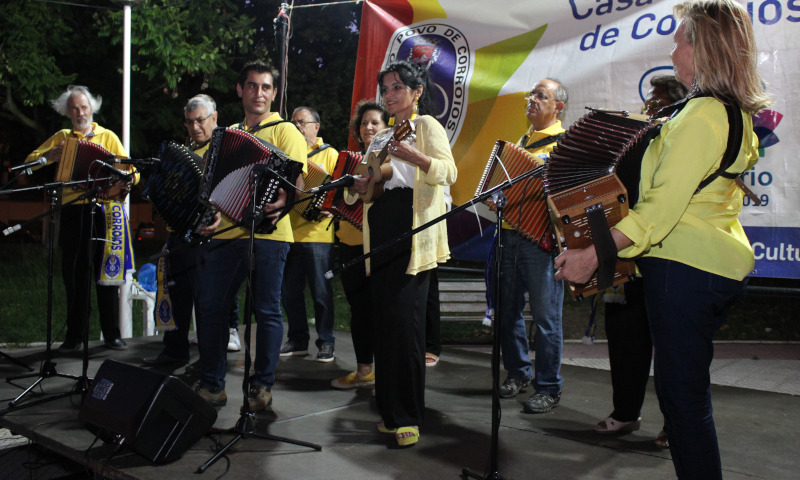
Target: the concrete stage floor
pixel 757 425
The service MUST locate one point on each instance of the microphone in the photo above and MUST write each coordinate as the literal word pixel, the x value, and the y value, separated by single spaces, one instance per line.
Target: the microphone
pixel 139 162
pixel 27 166
pixel 116 171
pixel 344 181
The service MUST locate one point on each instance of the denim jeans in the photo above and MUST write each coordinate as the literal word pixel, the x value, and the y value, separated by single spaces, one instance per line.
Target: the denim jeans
pixel 308 262
pixel 685 306
pixel 527 268
pixel 220 274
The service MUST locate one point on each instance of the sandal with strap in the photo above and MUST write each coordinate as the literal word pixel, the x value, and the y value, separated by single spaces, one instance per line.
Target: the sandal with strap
pixel 407 436
pixel 384 429
pixel 431 360
pixel 662 440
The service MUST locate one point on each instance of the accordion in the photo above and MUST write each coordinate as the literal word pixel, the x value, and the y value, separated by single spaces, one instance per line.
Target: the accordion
pixel 79 161
pixel 591 180
pixel 174 190
pixel 309 204
pixel 334 201
pixel 526 210
pixel 235 158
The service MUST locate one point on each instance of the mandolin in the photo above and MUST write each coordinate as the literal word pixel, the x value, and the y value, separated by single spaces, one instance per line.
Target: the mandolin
pixel 377 166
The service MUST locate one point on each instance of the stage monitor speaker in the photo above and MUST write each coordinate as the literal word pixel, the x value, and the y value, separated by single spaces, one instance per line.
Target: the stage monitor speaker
pixel 157 415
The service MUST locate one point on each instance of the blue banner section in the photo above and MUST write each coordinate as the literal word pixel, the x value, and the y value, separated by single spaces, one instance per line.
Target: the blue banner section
pixel 777 251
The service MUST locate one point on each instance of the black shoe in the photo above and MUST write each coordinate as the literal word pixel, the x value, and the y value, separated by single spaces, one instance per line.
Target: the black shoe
pixel 70 346
pixel 325 354
pixel 290 349
pixel 512 386
pixel 117 344
pixel 163 359
pixel 541 403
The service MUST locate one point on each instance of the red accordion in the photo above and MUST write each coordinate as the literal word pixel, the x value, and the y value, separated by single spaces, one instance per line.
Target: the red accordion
pixel 334 201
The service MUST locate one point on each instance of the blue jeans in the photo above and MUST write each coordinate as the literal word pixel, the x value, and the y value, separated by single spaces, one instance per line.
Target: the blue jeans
pixel 527 268
pixel 308 262
pixel 685 306
pixel 220 274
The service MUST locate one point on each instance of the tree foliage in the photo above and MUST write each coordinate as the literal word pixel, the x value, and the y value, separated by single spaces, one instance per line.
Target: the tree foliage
pixel 179 49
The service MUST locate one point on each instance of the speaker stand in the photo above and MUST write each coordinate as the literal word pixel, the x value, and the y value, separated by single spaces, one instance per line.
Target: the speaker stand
pixel 246 425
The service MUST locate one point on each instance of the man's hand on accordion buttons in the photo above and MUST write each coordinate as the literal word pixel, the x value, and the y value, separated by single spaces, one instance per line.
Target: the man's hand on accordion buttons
pixel 576 265
pixel 273 210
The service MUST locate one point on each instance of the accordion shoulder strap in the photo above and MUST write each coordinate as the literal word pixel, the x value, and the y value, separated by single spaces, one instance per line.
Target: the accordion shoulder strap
pixel 253 130
pixel 319 149
pixel 735 132
pixel 542 142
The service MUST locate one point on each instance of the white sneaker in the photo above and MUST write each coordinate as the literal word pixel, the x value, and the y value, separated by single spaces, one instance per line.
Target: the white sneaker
pixel 234 345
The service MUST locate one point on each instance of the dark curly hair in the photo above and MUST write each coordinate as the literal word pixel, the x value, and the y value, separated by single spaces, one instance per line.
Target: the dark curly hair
pixel 413 76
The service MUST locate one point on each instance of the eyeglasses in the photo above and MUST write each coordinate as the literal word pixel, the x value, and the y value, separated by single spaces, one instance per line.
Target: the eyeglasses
pixel 538 95
pixel 302 123
pixel 191 121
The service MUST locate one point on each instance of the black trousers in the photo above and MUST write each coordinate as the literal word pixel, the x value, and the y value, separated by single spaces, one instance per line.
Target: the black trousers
pixel 433 317
pixel 356 285
pixel 399 304
pixel 630 351
pixel 79 269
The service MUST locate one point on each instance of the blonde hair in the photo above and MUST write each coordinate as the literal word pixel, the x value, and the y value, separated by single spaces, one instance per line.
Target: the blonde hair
pixel 725 53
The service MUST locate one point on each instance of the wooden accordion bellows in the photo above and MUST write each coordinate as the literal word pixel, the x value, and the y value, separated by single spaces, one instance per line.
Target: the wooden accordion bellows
pixel 79 161
pixel 174 189
pixel 591 180
pixel 310 209
pixel 234 156
pixel 526 210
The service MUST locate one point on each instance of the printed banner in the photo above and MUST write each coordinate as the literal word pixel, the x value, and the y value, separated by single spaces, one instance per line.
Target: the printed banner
pixel 484 56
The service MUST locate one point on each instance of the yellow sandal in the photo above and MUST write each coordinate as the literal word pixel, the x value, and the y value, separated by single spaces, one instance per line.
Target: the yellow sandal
pixel 384 429
pixel 407 436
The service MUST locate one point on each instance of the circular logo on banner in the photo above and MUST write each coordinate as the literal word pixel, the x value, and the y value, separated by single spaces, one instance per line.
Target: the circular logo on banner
pixel 113 265
pixel 164 312
pixel 444 51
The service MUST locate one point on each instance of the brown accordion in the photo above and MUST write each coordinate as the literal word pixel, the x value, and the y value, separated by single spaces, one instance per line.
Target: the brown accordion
pixel 235 158
pixel 526 210
pixel 79 161
pixel 174 190
pixel 310 203
pixel 591 180
pixel 334 200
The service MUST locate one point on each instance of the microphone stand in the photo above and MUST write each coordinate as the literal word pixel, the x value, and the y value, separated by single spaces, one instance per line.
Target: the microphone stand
pixel 245 426
pixel 499 199
pixel 48 368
